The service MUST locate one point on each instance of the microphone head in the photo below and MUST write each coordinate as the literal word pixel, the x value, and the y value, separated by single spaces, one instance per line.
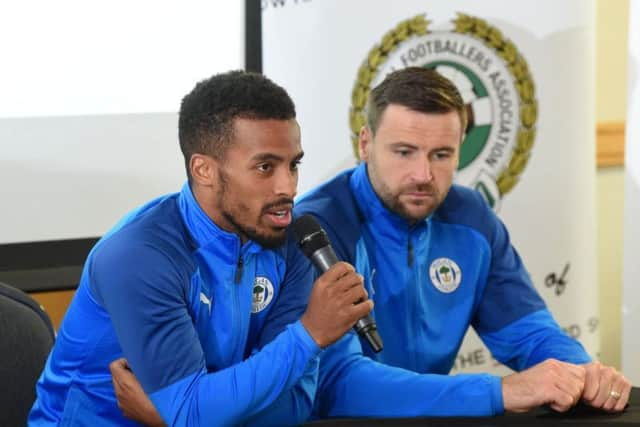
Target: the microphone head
pixel 309 235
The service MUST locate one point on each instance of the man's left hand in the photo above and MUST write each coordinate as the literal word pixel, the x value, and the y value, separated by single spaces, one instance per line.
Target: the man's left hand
pixel 605 388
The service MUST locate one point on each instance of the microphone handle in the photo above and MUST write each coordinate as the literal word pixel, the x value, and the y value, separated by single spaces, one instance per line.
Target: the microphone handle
pixel 323 259
pixel 366 328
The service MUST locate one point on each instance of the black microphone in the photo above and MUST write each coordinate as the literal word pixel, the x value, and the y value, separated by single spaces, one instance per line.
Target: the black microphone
pixel 314 243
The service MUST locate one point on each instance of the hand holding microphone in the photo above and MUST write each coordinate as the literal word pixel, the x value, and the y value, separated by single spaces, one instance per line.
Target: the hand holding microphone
pixel 338 298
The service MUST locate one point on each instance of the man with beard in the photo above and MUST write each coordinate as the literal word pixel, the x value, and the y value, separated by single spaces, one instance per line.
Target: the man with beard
pixel 437 260
pixel 200 291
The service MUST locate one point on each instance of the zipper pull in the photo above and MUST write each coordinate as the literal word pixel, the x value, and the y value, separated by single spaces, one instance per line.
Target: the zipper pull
pixel 239 269
pixel 410 253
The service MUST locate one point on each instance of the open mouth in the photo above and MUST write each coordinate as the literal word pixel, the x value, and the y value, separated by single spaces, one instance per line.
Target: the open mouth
pixel 280 217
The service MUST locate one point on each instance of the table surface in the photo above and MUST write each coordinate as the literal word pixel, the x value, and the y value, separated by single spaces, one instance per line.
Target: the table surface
pixel 581 415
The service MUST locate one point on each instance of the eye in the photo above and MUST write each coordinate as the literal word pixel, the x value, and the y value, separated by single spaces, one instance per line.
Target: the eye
pixel 264 167
pixel 442 155
pixel 403 152
pixel 295 165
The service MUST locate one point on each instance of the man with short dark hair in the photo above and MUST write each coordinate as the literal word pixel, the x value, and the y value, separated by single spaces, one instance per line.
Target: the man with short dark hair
pixel 436 260
pixel 201 291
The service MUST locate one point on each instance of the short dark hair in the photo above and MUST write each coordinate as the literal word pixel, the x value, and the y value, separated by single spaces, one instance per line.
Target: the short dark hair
pixel 419 89
pixel 207 112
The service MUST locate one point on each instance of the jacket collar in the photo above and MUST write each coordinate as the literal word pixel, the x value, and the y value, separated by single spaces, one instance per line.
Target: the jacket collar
pixel 372 207
pixel 203 230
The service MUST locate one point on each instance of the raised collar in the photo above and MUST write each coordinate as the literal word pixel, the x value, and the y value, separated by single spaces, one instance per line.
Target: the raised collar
pixel 203 230
pixel 370 204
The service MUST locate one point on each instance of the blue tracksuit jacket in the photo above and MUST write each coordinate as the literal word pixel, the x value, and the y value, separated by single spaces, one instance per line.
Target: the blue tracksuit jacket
pixel 209 326
pixel 429 282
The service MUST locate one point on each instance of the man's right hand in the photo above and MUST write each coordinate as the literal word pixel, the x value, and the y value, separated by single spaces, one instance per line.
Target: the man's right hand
pixel 338 299
pixel 558 384
pixel 132 400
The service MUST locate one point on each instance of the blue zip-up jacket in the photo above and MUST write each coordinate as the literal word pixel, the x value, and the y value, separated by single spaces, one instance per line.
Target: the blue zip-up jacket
pixel 209 326
pixel 429 282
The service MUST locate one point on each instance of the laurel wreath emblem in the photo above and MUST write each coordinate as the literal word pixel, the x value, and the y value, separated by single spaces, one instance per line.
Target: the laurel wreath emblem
pixel 492 38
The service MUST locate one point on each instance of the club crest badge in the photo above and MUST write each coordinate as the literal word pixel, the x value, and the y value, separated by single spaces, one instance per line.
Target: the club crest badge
pixel 262 294
pixel 445 275
pixel 495 83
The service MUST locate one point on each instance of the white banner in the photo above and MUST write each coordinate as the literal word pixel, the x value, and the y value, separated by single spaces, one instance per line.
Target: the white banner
pixel 527 71
pixel 631 275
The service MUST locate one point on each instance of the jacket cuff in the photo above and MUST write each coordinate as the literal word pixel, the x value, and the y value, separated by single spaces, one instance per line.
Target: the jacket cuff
pixel 497 402
pixel 303 337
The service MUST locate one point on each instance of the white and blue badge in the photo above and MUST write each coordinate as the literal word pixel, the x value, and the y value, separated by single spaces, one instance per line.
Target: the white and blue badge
pixel 445 275
pixel 262 294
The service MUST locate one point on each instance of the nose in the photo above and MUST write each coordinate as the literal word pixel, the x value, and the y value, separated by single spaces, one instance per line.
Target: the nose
pixel 286 183
pixel 421 170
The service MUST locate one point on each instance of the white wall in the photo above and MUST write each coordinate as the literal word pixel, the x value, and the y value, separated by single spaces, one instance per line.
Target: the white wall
pixel 631 274
pixel 88 98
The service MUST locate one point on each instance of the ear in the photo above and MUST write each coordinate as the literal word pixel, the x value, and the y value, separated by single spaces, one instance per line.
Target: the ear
pixel 456 156
pixel 203 169
pixel 365 139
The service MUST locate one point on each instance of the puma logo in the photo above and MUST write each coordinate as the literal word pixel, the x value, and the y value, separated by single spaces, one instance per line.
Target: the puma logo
pixel 373 290
pixel 205 300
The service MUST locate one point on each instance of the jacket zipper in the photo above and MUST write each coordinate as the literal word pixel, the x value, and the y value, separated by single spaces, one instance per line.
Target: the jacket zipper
pixel 239 269
pixel 409 252
pixel 237 316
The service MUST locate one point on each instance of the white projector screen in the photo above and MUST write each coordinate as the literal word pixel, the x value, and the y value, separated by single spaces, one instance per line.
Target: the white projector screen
pixel 89 93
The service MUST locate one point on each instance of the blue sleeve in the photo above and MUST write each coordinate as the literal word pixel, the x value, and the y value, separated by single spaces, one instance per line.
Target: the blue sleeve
pixel 353 385
pixel 509 293
pixel 531 340
pixel 234 395
pixel 146 296
pixel 294 406
pixel 511 318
